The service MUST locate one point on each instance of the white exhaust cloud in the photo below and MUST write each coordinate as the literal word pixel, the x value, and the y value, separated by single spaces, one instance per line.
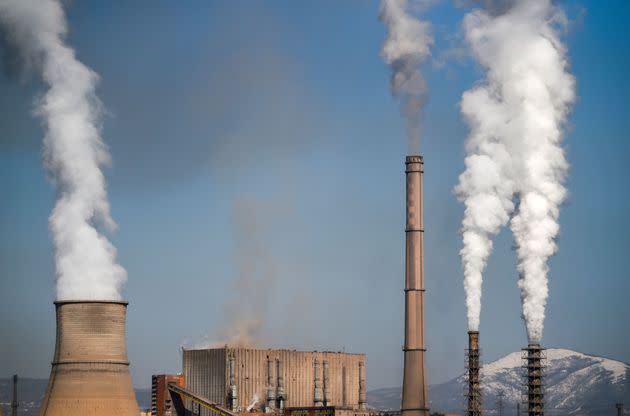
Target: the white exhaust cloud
pixel 407 44
pixel 74 152
pixel 516 117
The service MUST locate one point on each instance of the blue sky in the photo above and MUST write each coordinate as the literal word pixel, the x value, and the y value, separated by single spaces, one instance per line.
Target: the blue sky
pixel 280 112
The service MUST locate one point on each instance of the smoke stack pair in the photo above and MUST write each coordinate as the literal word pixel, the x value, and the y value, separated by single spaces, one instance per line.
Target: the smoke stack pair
pixel 414 395
pixel 473 364
pixel 90 370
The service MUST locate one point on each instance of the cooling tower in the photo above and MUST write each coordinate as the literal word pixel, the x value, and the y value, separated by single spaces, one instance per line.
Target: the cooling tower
pixel 474 367
pixel 414 395
pixel 90 371
pixel 534 363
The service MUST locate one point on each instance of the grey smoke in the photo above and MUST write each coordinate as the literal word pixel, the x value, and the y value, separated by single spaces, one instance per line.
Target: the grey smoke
pixel 74 152
pixel 517 118
pixel 407 44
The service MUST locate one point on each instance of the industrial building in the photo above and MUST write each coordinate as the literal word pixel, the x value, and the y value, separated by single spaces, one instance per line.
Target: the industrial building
pixel 161 400
pixel 266 380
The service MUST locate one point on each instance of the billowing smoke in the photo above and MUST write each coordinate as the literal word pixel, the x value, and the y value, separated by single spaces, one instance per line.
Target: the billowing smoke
pixel 516 116
pixel 406 46
pixel 74 152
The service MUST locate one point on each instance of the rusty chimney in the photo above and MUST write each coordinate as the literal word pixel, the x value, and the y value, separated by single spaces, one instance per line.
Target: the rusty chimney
pixel 534 363
pixel 90 370
pixel 473 366
pixel 414 395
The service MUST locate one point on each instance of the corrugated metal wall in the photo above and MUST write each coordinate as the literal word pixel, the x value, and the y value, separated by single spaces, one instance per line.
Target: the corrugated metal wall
pixel 207 374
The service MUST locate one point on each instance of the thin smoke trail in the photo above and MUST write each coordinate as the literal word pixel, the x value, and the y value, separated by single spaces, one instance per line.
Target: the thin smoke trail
pixel 74 152
pixel 407 45
pixel 517 117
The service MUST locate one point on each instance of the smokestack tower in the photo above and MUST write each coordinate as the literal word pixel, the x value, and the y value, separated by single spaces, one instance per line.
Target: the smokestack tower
pixel 90 370
pixel 414 395
pixel 14 402
pixel 533 361
pixel 474 367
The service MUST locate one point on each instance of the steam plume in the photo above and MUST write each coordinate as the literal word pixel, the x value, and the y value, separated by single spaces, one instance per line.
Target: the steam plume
pixel 517 118
pixel 74 152
pixel 406 46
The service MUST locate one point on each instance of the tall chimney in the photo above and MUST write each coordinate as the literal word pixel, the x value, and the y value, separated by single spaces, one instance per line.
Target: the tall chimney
pixel 90 370
pixel 414 395
pixel 533 361
pixel 474 367
pixel 14 402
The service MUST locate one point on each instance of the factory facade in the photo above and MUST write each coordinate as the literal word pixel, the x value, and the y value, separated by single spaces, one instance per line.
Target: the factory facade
pixel 266 380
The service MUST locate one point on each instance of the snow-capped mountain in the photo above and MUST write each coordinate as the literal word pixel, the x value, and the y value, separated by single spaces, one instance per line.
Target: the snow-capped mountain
pixel 576 384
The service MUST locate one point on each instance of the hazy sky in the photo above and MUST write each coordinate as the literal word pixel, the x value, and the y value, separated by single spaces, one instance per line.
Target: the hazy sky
pixel 264 133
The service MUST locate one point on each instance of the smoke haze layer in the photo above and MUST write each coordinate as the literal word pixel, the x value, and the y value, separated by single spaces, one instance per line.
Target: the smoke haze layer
pixel 407 45
pixel 74 152
pixel 516 116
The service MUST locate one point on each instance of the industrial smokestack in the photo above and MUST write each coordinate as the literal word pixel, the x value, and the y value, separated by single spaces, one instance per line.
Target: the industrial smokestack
pixel 533 361
pixel 414 395
pixel 474 367
pixel 90 370
pixel 14 402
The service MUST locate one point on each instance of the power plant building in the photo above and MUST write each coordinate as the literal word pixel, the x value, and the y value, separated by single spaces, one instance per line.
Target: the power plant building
pixel 245 379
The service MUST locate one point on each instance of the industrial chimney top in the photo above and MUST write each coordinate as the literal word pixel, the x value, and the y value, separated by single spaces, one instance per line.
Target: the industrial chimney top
pixel 115 302
pixel 413 159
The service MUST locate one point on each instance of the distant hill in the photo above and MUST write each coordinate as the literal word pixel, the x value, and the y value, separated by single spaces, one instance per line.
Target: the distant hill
pixel 576 384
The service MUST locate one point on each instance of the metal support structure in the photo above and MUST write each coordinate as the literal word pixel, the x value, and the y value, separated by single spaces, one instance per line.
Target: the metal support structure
pixel 362 396
pixel 271 398
pixel 317 388
pixel 415 400
pixel 326 384
pixel 534 364
pixel 233 392
pixel 619 409
pixel 473 367
pixel 280 394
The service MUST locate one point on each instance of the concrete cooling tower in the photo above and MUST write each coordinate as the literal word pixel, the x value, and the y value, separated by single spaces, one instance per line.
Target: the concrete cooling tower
pixel 90 371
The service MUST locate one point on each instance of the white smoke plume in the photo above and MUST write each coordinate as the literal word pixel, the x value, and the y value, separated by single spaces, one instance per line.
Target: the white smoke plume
pixel 74 152
pixel 517 117
pixel 407 44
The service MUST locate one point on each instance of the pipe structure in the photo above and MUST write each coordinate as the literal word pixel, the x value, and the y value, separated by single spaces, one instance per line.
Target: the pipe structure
pixel 271 399
pixel 326 384
pixel 474 367
pixel 317 388
pixel 14 402
pixel 233 399
pixel 362 397
pixel 280 395
pixel 90 369
pixel 533 361
pixel 414 394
